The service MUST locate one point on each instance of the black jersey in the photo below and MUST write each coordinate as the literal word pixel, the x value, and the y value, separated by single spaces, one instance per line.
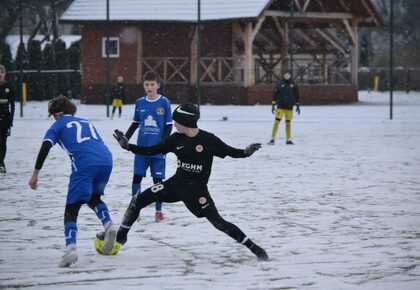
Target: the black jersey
pixel 7 104
pixel 195 154
pixel 286 95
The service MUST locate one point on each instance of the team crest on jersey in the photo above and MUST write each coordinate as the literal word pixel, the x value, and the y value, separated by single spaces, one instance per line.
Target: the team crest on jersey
pixel 160 111
pixel 6 90
pixel 291 86
pixel 202 200
pixel 199 148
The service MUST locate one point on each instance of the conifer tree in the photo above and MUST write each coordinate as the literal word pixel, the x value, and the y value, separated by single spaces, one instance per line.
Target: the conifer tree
pixel 7 59
pixel 21 61
pixel 61 63
pixel 35 83
pixel 50 79
pixel 73 54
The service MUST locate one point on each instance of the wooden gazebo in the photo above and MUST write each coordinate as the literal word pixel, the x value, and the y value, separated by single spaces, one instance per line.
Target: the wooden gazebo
pixel 245 47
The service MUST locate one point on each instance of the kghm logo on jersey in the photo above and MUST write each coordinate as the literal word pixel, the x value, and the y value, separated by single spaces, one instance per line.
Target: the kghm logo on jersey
pixel 196 168
pixel 160 111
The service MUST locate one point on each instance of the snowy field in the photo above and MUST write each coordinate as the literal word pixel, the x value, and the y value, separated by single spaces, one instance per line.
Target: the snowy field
pixel 338 210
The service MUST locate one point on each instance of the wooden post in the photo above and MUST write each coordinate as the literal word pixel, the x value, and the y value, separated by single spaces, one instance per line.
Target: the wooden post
pixel 193 57
pixel 355 53
pixel 248 66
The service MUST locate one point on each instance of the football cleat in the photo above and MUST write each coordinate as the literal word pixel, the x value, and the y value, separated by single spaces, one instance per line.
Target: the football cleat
pixel 2 168
pixel 99 244
pixel 271 142
pixel 289 142
pixel 70 257
pixel 260 253
pixel 109 239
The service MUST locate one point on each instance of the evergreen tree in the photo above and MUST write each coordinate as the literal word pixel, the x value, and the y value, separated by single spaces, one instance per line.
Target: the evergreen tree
pixel 21 61
pixel 35 83
pixel 61 63
pixel 73 54
pixel 50 80
pixel 411 22
pixel 365 48
pixel 6 58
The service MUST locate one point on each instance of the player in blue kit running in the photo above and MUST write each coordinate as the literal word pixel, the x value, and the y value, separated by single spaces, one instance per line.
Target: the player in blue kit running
pixel 91 166
pixel 153 117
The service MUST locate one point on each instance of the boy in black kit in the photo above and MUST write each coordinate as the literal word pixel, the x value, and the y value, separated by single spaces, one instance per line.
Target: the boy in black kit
pixel 7 111
pixel 195 149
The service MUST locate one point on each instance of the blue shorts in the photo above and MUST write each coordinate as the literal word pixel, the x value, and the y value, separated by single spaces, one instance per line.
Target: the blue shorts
pixel 157 166
pixel 86 181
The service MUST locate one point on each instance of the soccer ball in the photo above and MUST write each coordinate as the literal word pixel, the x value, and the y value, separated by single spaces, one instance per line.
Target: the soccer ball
pixel 100 243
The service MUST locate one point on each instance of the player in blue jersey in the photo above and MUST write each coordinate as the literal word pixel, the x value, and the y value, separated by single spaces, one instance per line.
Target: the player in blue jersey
pixel 91 166
pixel 153 117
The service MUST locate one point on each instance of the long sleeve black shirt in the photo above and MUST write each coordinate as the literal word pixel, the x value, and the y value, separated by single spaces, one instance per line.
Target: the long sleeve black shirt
pixel 7 104
pixel 195 155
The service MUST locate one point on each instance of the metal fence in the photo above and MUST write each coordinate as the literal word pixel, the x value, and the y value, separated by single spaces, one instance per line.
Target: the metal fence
pixel 405 79
pixel 47 84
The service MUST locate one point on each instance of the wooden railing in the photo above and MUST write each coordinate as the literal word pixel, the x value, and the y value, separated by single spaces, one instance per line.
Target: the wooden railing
pixel 306 70
pixel 213 70
pixel 314 69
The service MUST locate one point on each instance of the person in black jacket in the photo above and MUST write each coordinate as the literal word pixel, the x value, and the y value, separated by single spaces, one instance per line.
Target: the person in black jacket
pixel 286 95
pixel 195 149
pixel 7 111
pixel 119 93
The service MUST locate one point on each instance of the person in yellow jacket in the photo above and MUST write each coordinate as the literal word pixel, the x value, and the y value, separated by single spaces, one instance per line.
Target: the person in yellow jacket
pixel 119 94
pixel 286 95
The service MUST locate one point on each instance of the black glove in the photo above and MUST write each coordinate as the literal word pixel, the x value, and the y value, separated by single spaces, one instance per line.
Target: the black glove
pixel 122 140
pixel 273 109
pixel 9 131
pixel 298 109
pixel 251 148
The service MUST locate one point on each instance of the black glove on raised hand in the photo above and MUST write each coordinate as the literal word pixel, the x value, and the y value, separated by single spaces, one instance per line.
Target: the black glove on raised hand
pixel 273 109
pixel 251 148
pixel 122 140
pixel 298 109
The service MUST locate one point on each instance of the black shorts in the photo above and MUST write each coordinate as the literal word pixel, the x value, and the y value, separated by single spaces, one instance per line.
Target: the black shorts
pixel 195 197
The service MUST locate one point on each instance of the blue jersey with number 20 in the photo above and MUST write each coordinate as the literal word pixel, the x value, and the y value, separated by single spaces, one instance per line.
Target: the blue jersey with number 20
pixel 81 141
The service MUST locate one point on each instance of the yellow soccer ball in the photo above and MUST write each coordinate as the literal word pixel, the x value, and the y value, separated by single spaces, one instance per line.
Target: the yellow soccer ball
pixel 100 243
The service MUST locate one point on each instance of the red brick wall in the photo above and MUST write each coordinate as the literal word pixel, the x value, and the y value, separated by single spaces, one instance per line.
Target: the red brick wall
pixel 93 64
pixel 166 40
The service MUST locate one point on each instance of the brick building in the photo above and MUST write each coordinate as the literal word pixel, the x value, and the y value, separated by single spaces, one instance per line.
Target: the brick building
pixel 245 47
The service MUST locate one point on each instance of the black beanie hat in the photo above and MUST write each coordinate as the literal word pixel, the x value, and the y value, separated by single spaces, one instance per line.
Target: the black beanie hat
pixel 186 115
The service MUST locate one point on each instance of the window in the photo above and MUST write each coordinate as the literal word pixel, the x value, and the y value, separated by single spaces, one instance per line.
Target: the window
pixel 113 47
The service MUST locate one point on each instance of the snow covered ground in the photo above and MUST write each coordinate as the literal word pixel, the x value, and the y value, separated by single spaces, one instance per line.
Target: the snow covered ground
pixel 338 210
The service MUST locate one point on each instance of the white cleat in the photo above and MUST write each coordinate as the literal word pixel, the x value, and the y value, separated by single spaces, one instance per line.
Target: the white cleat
pixel 109 239
pixel 70 257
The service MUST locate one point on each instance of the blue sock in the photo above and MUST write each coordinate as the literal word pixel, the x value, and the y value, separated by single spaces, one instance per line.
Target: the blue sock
pixel 70 233
pixel 103 213
pixel 158 206
pixel 135 187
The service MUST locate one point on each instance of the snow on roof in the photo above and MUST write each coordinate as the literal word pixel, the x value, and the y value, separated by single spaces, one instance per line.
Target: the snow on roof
pixel 163 10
